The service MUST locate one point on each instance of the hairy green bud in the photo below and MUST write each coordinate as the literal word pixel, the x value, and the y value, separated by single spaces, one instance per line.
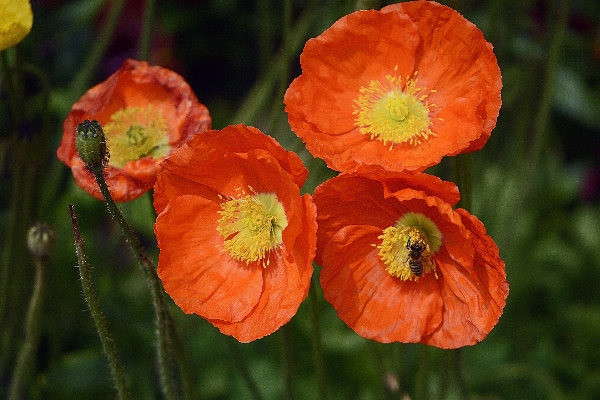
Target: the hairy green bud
pixel 91 144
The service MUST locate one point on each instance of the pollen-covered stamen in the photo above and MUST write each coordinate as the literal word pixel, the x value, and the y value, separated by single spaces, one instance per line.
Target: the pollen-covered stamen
pixel 394 113
pixel 136 132
pixel 252 226
pixel 407 248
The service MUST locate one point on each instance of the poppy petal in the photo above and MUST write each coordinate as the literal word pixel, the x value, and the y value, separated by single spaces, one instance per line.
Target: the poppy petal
pixel 202 278
pixel 371 301
pixel 134 85
pixel 216 168
pixel 283 290
pixel 451 68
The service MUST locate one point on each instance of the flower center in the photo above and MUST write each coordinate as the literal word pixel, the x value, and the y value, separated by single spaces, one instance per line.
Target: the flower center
pixel 252 225
pixel 392 113
pixel 407 248
pixel 134 133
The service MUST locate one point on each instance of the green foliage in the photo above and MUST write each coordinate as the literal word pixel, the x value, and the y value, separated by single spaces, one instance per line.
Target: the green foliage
pixel 529 186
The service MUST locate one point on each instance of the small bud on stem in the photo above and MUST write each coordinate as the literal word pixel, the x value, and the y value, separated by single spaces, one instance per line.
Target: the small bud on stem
pixel 41 239
pixel 91 144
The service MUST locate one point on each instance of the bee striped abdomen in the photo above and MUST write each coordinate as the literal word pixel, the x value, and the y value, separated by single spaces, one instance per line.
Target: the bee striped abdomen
pixel 415 253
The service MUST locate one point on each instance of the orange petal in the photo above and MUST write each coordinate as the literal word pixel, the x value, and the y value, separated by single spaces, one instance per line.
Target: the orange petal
pixel 285 287
pixel 195 271
pixel 237 139
pixel 135 84
pixel 371 301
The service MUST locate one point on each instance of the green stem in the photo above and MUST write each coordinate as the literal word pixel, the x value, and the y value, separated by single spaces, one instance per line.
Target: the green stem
pixel 317 345
pixel 108 345
pixel 422 375
pixel 541 123
pixel 262 91
pixel 23 368
pixel 9 249
pixel 165 329
pixel 284 72
pixel 11 146
pixel 239 363
pixel 146 37
pixel 456 378
pixel 287 364
pixel 100 44
pixel 463 177
pixel 12 84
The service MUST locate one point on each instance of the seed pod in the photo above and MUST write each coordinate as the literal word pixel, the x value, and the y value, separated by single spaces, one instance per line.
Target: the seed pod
pixel 91 143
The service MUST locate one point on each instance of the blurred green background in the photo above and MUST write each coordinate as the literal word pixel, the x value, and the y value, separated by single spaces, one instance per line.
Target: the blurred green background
pixel 536 188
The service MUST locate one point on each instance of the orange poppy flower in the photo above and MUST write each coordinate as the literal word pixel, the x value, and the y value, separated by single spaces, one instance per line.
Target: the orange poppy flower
pixel 146 111
pixel 236 238
pixel 400 265
pixel 398 88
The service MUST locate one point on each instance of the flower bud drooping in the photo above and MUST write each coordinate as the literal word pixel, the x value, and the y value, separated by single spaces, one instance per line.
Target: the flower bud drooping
pixel 41 239
pixel 91 143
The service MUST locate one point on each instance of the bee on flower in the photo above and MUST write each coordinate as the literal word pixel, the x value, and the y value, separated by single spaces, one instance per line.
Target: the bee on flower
pixel 399 264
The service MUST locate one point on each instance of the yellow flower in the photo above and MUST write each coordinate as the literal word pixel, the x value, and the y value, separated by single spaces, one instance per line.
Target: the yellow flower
pixel 16 19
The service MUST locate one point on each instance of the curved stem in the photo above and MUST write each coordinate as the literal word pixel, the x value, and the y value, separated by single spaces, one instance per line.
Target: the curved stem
pixel 22 371
pixel 165 329
pixel 108 345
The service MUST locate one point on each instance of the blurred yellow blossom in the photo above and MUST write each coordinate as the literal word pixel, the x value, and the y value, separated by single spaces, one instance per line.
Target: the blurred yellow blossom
pixel 16 19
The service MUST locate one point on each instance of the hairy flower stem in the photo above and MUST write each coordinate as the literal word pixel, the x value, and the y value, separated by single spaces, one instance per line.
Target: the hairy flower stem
pixel 108 345
pixel 22 371
pixel 165 330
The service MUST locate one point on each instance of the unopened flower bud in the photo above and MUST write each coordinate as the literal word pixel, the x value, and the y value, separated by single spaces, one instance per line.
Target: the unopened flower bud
pixel 41 239
pixel 91 143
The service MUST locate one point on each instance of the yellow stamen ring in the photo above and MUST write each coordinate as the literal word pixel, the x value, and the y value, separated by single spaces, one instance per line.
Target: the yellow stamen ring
pixel 407 248
pixel 394 113
pixel 134 133
pixel 252 226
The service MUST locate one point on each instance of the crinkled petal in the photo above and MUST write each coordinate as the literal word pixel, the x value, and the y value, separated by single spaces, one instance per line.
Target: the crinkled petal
pixel 237 139
pixel 371 301
pixel 198 275
pixel 461 65
pixel 451 60
pixel 135 84
pixel 238 161
pixel 285 287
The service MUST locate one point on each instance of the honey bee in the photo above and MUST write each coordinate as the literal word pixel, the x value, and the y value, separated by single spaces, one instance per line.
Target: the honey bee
pixel 415 254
